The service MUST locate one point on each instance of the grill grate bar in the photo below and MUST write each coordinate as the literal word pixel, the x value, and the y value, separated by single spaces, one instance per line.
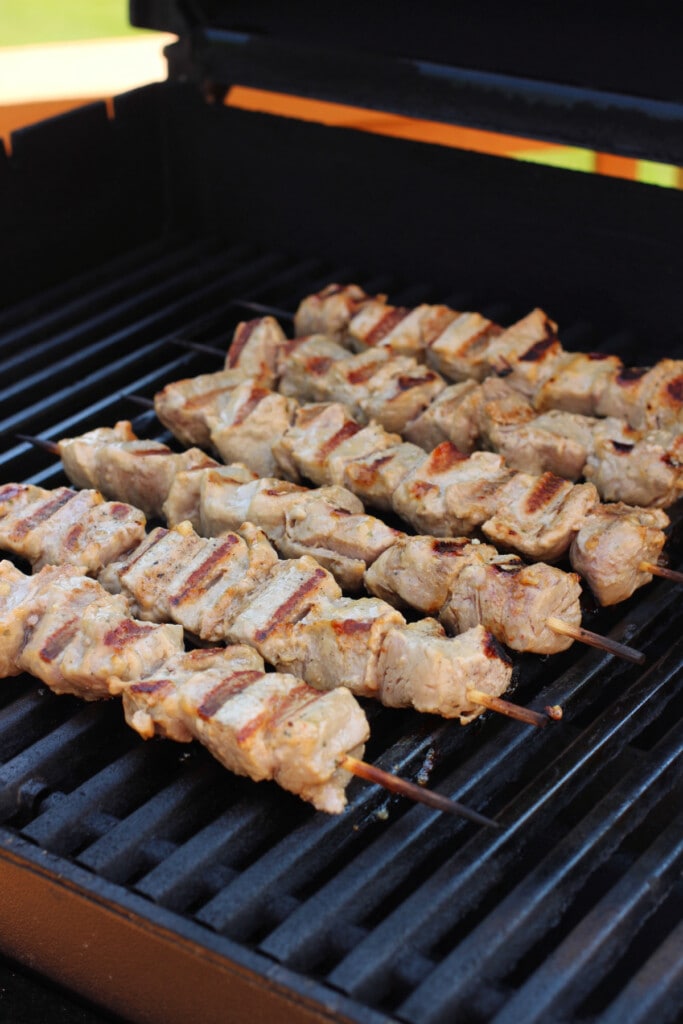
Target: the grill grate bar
pixel 529 911
pixel 655 992
pixel 436 906
pixel 577 965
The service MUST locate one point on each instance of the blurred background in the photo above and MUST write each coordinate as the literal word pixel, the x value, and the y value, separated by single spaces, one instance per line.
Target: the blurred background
pixel 57 54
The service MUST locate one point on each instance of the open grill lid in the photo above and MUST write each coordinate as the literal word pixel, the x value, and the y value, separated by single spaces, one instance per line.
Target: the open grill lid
pixel 603 81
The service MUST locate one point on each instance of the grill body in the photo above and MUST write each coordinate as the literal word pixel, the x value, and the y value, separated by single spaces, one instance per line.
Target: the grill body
pixel 145 877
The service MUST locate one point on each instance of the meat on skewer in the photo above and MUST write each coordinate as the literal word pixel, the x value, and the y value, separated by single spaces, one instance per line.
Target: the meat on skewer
pixel 529 354
pixel 234 588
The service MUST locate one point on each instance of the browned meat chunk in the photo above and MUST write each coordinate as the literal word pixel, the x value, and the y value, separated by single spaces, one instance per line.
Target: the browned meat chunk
pixel 461 350
pixel 247 423
pixel 331 310
pixel 613 542
pixel 255 350
pixel 577 383
pixel 526 353
pixel 184 405
pixel 452 416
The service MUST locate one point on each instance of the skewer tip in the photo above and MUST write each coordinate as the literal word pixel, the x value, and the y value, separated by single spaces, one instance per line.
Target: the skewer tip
pixel 516 711
pixel 661 570
pixel 402 787
pixel 603 643
pixel 38 442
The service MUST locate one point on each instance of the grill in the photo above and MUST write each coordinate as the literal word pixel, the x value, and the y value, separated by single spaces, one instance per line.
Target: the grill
pixel 145 877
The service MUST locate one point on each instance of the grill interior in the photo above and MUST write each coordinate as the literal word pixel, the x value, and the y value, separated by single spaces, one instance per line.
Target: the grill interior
pixel 388 911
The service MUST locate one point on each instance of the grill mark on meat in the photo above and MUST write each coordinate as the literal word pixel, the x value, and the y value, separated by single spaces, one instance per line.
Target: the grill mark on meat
pixel 622 447
pixel 388 322
pixel 118 510
pixel 204 398
pixel 47 509
pixel 126 631
pixel 675 389
pixel 444 457
pixel 152 686
pixel 363 374
pixel 73 536
pixel 203 570
pixel 506 568
pixel 227 688
pixel 351 627
pixel 256 396
pixel 543 492
pixel 318 365
pixel 538 350
pixel 285 609
pixel 628 374
pixel 366 476
pixel 57 641
pixel 598 356
pixel 343 434
pixel 277 708
pixel 480 339
pixel 10 491
pixel 163 532
pixel 159 450
pixel 340 513
pixel 449 546
pixel 404 383
pixel 420 488
pixel 242 336
pixel 495 651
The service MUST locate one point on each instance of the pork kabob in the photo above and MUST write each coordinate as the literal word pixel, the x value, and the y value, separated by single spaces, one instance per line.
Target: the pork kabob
pixel 529 354
pixel 235 589
pixel 444 493
pixel 464 582
pixel 65 629
pixel 638 467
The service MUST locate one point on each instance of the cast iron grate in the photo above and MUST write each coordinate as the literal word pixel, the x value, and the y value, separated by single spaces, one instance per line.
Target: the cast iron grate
pixel 390 910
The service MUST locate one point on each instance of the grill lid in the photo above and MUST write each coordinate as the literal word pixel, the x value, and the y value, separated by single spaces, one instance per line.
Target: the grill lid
pixel 577 77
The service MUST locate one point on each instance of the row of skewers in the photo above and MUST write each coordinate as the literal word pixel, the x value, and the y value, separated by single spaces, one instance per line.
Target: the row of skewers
pixel 481 587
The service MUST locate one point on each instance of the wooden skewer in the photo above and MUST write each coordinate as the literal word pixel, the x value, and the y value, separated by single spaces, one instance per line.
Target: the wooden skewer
pixel 38 442
pixel 603 643
pixel 144 403
pixel 198 346
pixel 259 307
pixel 414 792
pixel 516 711
pixel 661 570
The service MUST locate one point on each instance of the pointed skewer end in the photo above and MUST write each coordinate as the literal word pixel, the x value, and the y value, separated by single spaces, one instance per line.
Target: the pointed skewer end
pixel 603 643
pixel 38 442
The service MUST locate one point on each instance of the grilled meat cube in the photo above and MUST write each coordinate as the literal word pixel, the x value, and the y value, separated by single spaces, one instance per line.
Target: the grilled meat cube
pixel 192 490
pixel 450 493
pixel 63 526
pixel 369 441
pixel 419 572
pixel 646 397
pixel 184 405
pixel 341 540
pixel 198 582
pixel 539 516
pixel 375 477
pixel 305 367
pixel 461 350
pixel 331 310
pixel 452 416
pixel 613 542
pixel 285 595
pixel 19 612
pixel 398 392
pixel 338 642
pixel 152 706
pixel 577 383
pixel 376 321
pixel 435 673
pixel 255 350
pixel 638 469
pixel 79 640
pixel 303 450
pixel 527 353
pixel 514 601
pixel 412 334
pixel 528 442
pixel 231 495
pixel 248 421
pixel 348 380
pixel 140 472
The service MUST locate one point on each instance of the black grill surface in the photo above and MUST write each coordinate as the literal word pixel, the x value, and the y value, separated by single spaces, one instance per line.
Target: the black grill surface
pixel 170 865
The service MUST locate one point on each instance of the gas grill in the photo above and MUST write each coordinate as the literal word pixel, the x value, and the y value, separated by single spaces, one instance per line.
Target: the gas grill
pixel 142 875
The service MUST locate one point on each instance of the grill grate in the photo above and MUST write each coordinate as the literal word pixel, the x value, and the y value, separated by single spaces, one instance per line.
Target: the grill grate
pixel 388 910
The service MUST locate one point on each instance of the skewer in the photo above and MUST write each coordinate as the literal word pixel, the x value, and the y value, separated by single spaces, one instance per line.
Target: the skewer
pixel 603 643
pixel 264 310
pixel 577 633
pixel 197 346
pixel 516 711
pixel 661 570
pixel 411 790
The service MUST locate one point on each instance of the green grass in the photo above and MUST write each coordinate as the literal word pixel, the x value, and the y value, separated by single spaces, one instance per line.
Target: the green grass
pixel 51 21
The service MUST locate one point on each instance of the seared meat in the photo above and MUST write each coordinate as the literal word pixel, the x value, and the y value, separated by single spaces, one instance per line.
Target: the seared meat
pixel 450 493
pixel 184 405
pixel 539 516
pixel 526 353
pixel 639 469
pixel 249 420
pixel 255 350
pixel 612 543
pixel 331 310
pixel 514 602
pixel 577 383
pixel 38 525
pixel 461 350
pixel 317 430
pixel 375 478
pixel 305 366
pixel 452 416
